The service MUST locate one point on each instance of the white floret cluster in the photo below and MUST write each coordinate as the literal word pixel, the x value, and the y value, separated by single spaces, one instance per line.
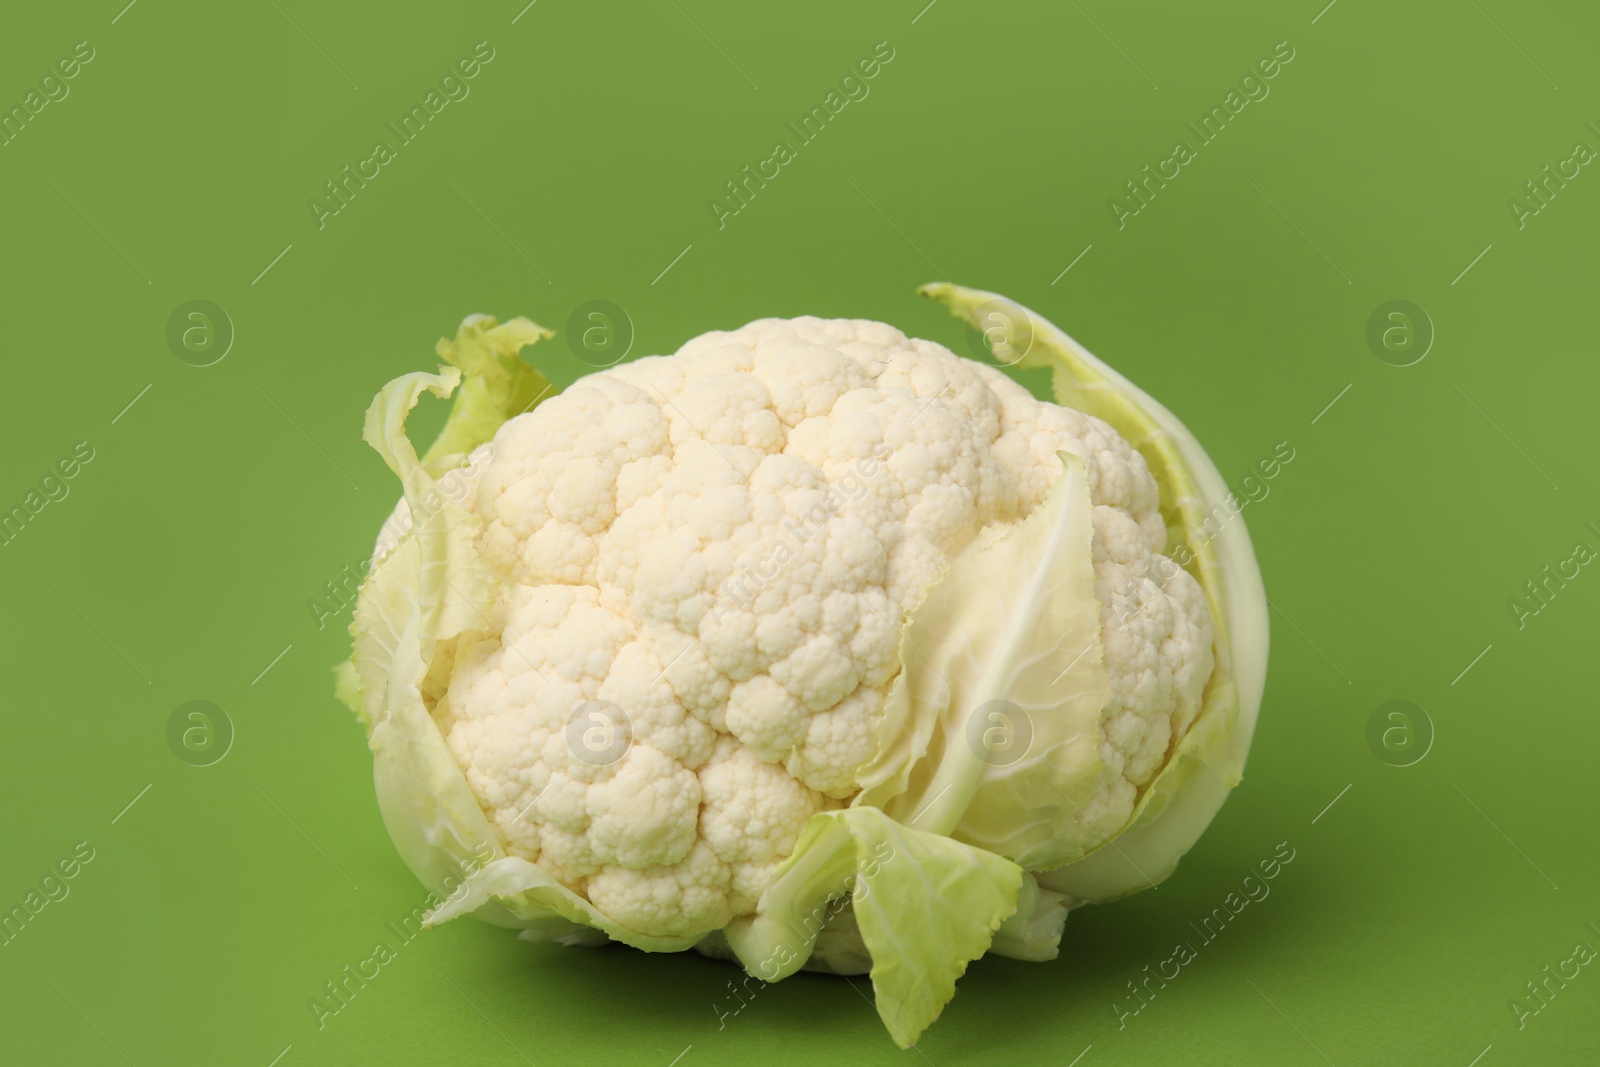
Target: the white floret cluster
pixel 724 544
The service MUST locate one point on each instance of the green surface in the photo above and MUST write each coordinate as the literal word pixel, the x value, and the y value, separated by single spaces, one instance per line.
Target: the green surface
pixel 180 564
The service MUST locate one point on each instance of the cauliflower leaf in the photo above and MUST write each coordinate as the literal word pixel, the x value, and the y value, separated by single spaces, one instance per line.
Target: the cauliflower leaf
pixel 1209 759
pixel 992 732
pixel 926 906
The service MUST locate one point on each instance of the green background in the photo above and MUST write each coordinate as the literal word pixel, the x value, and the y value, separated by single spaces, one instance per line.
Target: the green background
pixel 218 505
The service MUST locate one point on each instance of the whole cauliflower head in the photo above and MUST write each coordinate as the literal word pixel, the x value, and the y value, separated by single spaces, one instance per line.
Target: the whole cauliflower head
pixel 704 563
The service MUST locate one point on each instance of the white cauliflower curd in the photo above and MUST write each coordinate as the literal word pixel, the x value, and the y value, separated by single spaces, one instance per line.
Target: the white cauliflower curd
pixel 724 544
pixel 707 643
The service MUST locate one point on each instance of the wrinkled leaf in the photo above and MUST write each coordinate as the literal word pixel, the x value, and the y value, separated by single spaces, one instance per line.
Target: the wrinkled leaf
pixel 925 905
pixel 991 733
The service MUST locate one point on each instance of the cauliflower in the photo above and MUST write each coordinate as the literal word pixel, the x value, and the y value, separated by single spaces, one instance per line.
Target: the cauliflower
pixel 805 609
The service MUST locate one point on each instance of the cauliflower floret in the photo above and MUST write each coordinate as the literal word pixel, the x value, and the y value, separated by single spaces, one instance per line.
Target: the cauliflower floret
pixel 706 561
